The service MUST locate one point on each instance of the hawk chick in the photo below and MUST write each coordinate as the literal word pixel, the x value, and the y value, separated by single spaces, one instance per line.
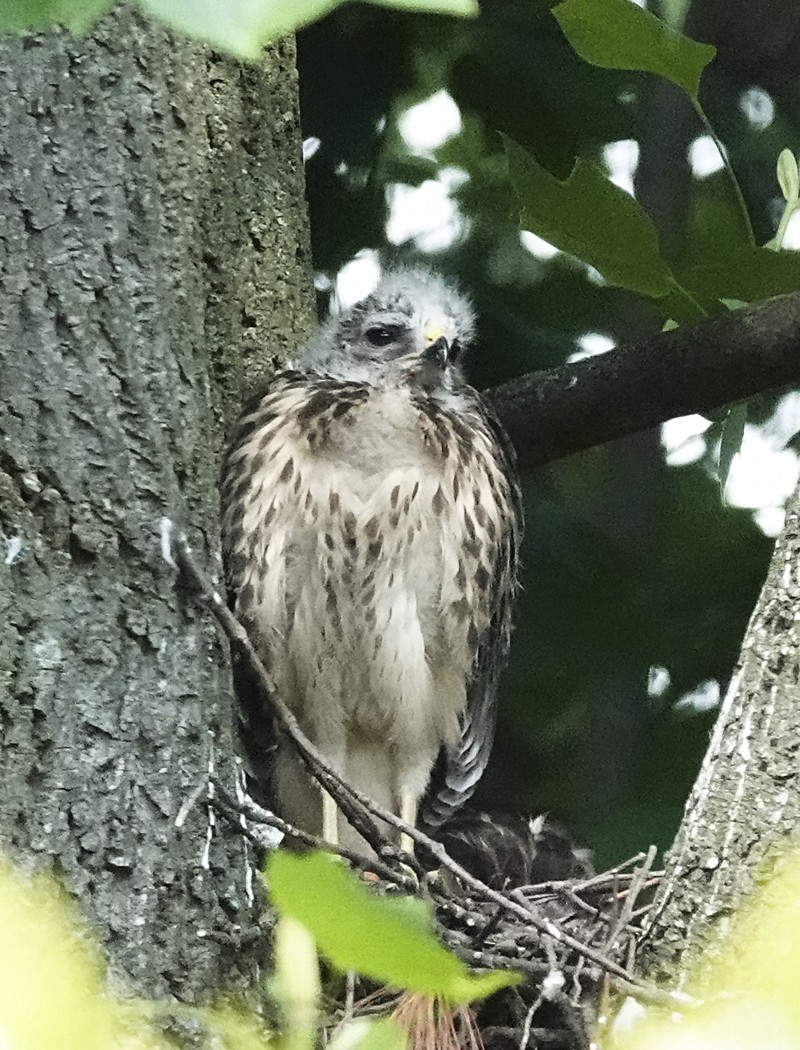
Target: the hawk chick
pixel 370 531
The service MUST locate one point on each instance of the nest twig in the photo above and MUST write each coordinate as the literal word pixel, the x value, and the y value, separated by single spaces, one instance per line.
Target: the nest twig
pixel 571 937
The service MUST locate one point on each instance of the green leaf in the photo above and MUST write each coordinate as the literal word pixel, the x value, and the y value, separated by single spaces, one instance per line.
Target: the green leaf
pixel 616 34
pixel 369 1034
pixel 788 176
pixel 243 27
pixel 51 974
pixel 466 8
pixel 748 273
pixel 389 939
pixel 731 441
pixel 76 15
pixel 295 982
pixel 588 216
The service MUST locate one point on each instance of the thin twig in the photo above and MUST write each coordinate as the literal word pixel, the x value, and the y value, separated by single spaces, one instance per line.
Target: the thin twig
pixel 353 803
pixel 234 808
pixel 629 899
pixel 527 913
pixel 526 1028
pixel 555 885
pixel 350 994
pixel 484 960
pixel 566 892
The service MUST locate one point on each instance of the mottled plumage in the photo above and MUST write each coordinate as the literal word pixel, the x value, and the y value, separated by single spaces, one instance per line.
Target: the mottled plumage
pixel 370 535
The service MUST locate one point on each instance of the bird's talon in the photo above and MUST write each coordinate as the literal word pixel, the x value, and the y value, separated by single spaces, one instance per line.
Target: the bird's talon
pixel 410 875
pixel 432 880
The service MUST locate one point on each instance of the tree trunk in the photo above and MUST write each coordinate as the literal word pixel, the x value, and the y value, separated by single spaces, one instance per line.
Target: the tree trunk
pixel 746 800
pixel 154 259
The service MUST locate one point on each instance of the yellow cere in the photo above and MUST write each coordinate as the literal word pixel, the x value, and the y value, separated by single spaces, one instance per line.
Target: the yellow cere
pixel 432 333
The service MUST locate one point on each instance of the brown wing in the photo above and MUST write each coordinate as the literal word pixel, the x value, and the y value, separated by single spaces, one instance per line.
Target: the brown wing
pixel 459 768
pixel 258 435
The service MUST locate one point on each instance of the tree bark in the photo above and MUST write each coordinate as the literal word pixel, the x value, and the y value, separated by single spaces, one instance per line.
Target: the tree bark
pixel 153 257
pixel 746 800
pixel 695 368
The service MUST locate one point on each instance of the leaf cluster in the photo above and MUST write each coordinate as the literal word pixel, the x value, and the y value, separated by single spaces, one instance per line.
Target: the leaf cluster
pixel 589 217
pixel 241 27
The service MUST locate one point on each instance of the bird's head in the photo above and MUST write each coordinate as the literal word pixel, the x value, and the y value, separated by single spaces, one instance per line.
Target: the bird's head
pixel 415 325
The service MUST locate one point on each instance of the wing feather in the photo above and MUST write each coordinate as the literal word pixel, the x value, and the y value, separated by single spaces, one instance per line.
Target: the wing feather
pixel 459 767
pixel 238 479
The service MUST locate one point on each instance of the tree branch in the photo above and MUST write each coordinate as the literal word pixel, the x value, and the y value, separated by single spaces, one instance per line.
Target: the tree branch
pixel 695 368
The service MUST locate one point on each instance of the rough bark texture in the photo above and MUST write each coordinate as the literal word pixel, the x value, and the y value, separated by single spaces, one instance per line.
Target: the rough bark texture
pixel 153 250
pixel 746 800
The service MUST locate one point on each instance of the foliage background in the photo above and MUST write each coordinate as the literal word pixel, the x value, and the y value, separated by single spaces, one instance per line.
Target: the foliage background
pixel 631 564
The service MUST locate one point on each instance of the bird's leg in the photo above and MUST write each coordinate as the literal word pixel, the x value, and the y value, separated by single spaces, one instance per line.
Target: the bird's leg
pixel 330 818
pixel 408 813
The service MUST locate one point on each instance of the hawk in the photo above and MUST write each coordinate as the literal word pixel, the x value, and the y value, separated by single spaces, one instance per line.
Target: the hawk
pixel 371 527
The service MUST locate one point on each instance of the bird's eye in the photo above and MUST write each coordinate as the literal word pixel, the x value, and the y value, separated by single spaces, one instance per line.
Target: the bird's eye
pixel 381 335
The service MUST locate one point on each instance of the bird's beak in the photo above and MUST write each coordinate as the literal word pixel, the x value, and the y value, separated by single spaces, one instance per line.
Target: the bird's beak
pixel 437 349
